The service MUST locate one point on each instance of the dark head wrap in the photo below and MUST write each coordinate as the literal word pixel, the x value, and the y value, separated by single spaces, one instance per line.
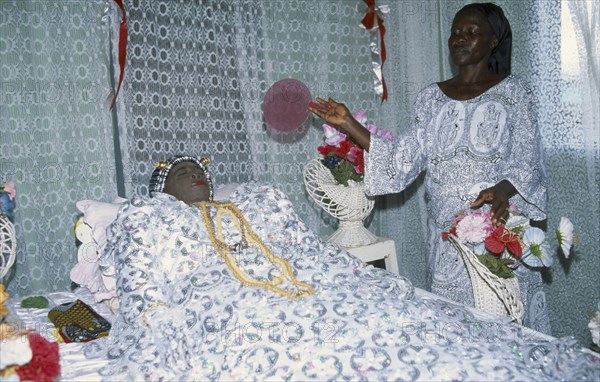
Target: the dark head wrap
pixel 501 55
pixel 163 168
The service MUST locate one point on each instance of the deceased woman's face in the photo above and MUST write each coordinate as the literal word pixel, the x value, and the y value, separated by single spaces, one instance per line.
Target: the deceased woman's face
pixel 187 182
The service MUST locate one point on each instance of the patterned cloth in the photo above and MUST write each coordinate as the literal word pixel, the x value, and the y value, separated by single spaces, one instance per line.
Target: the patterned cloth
pixel 465 147
pixel 183 316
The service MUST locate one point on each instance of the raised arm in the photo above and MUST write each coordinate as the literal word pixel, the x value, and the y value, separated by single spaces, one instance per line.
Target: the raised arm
pixel 337 114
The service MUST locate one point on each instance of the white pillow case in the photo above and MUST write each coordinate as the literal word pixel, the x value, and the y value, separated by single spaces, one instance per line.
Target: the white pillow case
pixel 90 230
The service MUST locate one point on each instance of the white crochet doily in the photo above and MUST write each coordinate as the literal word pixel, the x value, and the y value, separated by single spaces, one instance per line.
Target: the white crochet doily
pixel 8 245
pixel 348 204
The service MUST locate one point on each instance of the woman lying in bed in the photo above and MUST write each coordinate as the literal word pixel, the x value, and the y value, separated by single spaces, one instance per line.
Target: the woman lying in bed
pixel 244 291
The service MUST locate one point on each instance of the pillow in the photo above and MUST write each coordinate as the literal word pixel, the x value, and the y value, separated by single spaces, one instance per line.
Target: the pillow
pixel 90 230
pixel 99 215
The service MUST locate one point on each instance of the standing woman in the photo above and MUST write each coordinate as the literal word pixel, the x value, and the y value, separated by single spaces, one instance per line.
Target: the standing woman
pixel 476 137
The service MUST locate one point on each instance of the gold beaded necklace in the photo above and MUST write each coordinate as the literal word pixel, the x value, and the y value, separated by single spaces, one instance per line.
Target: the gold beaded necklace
pixel 215 233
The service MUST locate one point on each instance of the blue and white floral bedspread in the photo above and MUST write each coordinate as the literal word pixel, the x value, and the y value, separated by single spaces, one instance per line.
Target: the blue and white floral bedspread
pixel 183 316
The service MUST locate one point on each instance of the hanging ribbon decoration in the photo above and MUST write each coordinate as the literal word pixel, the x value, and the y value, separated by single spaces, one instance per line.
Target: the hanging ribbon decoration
pixel 375 13
pixel 123 32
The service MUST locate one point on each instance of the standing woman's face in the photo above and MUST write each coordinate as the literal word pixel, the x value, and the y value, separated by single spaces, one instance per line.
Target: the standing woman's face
pixel 471 39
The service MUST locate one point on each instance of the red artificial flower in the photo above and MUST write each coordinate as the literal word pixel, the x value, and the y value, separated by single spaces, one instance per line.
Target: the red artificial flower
pixel 360 161
pixel 343 148
pixel 357 157
pixel 501 238
pixel 451 231
pixel 349 153
pixel 44 365
pixel 325 150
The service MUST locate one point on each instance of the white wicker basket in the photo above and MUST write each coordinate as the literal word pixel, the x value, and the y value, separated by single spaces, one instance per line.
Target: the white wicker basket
pixel 8 245
pixel 492 294
pixel 348 204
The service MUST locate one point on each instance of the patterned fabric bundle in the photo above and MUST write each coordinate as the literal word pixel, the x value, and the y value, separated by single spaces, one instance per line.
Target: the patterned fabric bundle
pixel 78 322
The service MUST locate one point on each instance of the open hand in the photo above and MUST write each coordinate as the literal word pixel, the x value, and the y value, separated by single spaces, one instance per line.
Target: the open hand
pixel 336 114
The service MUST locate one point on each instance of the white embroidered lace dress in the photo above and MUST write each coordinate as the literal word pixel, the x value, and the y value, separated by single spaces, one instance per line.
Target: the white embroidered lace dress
pixel 464 147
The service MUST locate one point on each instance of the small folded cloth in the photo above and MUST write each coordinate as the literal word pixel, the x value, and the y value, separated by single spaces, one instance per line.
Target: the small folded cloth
pixel 78 322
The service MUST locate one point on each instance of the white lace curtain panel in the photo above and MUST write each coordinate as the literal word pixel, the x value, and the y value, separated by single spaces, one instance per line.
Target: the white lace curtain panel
pixel 56 138
pixel 195 78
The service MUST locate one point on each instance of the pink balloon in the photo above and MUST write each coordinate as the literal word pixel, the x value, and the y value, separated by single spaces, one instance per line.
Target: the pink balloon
pixel 285 108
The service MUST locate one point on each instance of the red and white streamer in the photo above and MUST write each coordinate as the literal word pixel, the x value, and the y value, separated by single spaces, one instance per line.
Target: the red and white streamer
pixel 373 22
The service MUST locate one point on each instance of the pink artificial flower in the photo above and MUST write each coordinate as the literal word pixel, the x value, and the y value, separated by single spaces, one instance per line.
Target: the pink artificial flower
pixel 360 116
pixel 353 153
pixel 10 189
pixel 474 228
pixel 333 136
pixel 382 133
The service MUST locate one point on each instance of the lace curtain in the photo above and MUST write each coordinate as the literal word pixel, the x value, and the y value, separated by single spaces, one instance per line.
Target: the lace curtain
pixel 56 138
pixel 196 75
pixel 182 93
pixel 320 44
pixel 573 151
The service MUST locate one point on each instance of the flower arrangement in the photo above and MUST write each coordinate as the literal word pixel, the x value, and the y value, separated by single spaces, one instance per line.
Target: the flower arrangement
pixel 503 248
pixel 28 357
pixel 7 197
pixel 344 157
pixel 25 355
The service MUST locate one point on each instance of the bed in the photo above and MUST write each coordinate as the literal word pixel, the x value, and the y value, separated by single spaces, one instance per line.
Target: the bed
pixel 362 323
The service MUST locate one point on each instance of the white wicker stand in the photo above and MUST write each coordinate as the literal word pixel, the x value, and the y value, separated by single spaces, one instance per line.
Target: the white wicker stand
pixel 492 294
pixel 349 205
pixel 8 245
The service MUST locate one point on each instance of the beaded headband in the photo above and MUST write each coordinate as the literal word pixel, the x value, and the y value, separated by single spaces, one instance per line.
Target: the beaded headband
pixel 163 168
